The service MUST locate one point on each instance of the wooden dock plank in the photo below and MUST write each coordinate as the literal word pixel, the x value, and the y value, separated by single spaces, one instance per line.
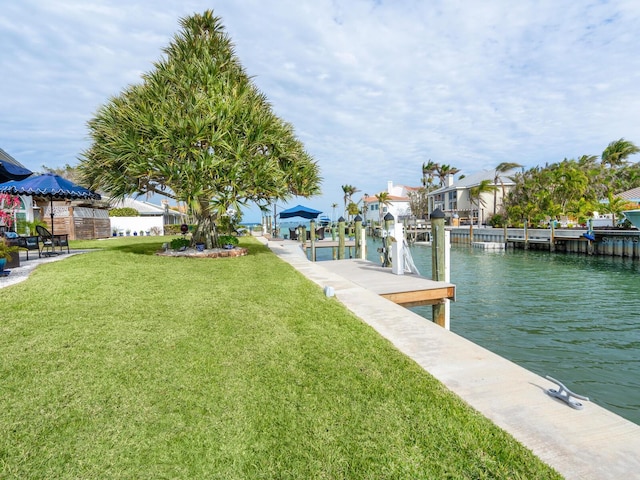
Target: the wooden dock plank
pixel 329 243
pixel 406 290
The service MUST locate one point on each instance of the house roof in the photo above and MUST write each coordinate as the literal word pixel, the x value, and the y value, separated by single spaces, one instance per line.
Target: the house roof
pixel 632 195
pixel 144 208
pixel 475 178
pixel 391 198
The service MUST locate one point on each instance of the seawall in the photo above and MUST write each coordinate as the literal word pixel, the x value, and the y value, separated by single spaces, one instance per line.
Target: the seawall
pixel 615 242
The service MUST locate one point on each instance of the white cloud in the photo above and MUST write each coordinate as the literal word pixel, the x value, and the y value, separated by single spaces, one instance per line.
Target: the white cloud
pixel 372 88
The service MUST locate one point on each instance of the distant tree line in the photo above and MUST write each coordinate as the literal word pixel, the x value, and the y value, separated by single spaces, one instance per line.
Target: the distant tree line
pixel 574 188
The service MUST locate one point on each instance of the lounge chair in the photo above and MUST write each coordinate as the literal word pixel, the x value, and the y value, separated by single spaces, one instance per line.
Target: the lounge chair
pixel 50 242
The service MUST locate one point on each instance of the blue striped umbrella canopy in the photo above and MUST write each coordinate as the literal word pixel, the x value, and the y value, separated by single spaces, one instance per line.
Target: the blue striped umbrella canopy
pixel 48 185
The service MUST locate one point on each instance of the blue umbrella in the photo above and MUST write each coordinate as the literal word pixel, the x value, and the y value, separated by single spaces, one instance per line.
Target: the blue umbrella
pixel 300 211
pixel 48 185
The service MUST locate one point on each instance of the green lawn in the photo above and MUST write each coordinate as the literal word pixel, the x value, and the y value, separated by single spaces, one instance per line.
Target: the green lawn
pixel 122 364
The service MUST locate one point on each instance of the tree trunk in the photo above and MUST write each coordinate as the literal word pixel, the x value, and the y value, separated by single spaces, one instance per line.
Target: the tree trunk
pixel 206 231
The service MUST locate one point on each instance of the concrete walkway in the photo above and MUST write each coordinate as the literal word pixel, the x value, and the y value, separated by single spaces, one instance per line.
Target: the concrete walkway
pixel 21 273
pixel 592 443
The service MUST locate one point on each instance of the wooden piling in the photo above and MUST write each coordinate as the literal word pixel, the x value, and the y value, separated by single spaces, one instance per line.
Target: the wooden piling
pixel 358 234
pixel 438 266
pixel 312 238
pixel 341 226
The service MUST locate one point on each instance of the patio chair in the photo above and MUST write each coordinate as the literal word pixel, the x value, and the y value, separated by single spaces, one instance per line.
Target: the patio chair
pixel 50 242
pixel 320 233
pixel 28 242
pixel 293 235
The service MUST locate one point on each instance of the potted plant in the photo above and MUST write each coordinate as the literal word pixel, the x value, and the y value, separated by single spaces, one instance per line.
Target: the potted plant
pixel 5 253
pixel 114 232
pixel 227 241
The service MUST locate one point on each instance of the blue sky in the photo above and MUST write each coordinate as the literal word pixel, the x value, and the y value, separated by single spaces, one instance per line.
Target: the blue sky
pixel 373 88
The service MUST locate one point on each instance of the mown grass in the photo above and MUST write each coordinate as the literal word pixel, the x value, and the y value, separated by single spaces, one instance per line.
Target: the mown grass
pixel 123 364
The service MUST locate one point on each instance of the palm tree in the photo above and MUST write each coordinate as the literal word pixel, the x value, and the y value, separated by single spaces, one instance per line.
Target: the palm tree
pixel 504 167
pixel 349 191
pixel 365 206
pixel 616 153
pixel 615 207
pixel 442 171
pixel 428 173
pixel 333 213
pixel 383 200
pixel 475 196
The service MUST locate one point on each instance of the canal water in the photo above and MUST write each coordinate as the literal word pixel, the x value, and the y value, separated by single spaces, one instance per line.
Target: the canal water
pixel 573 317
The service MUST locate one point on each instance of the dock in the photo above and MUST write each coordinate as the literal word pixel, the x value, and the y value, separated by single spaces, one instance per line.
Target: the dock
pixel 408 290
pixel 329 244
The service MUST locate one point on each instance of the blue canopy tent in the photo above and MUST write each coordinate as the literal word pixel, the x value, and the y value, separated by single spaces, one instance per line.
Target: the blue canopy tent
pixel 48 186
pixel 300 211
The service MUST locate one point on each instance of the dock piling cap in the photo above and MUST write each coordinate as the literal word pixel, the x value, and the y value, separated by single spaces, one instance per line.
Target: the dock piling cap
pixel 437 213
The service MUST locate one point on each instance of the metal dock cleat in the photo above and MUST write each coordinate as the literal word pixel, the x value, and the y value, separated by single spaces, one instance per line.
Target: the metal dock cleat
pixel 565 394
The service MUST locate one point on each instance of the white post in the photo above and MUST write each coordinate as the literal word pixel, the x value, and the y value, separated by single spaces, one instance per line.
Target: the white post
pixel 363 243
pixel 397 253
pixel 447 277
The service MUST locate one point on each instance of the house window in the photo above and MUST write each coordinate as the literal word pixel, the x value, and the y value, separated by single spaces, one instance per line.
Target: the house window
pixel 453 200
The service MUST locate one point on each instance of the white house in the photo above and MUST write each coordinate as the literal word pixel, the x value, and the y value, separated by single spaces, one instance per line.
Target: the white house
pixel 398 204
pixel 455 201
pixel 152 217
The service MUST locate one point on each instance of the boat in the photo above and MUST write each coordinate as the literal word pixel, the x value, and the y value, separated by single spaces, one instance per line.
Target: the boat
pixel 324 221
pixel 633 216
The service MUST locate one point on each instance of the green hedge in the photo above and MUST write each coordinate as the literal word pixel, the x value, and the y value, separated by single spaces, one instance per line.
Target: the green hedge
pixel 124 212
pixel 174 229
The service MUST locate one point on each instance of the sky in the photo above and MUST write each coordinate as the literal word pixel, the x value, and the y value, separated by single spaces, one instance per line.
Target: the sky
pixel 373 88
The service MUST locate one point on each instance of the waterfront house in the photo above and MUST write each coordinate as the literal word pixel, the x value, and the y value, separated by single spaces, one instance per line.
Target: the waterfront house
pixel 455 201
pixel 397 204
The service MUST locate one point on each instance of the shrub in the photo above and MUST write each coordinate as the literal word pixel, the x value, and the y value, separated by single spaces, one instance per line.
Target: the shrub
pixel 227 240
pixel 178 243
pixel 174 229
pixel 497 220
pixel 124 212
